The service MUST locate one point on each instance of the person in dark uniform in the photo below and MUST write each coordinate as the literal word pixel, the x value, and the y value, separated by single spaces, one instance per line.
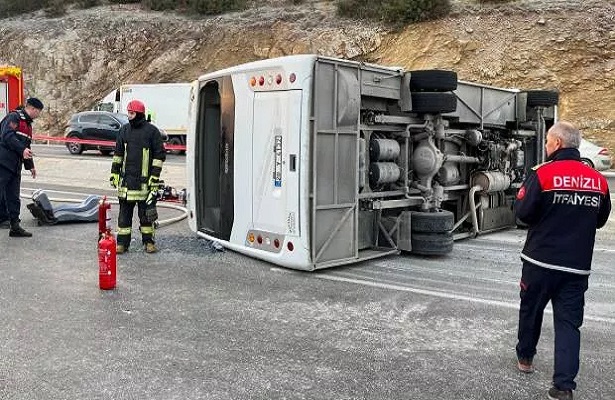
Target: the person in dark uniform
pixel 4 210
pixel 15 141
pixel 135 172
pixel 563 202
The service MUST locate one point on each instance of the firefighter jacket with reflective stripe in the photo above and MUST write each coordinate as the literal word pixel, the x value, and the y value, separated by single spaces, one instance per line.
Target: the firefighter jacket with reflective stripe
pixel 563 201
pixel 139 154
pixel 15 137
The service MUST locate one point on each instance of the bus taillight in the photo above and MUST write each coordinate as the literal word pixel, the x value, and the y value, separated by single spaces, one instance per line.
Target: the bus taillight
pixel 290 246
pixel 292 78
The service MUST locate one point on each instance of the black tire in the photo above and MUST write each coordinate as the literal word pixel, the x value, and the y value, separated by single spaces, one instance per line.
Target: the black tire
pixel 441 221
pixel 433 80
pixel 433 102
pixel 74 148
pixel 542 98
pixel 588 162
pixel 175 141
pixel 432 244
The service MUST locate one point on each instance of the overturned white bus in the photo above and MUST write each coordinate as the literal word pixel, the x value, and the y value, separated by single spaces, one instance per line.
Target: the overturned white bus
pixel 310 162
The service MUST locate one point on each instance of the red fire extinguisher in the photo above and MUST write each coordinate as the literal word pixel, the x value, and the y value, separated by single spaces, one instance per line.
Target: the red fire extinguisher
pixel 104 217
pixel 107 261
pixel 107 256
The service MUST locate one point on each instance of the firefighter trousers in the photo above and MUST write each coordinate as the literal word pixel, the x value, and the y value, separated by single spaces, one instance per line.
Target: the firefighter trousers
pixel 125 223
pixel 566 291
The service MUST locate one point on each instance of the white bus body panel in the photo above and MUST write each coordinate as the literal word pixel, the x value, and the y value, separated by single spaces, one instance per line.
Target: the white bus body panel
pixel 263 202
pixel 276 134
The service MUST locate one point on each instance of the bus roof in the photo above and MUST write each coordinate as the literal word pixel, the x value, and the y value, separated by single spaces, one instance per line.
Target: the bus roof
pixel 287 62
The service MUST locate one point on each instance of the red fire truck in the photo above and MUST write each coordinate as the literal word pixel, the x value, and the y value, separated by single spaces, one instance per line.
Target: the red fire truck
pixel 11 89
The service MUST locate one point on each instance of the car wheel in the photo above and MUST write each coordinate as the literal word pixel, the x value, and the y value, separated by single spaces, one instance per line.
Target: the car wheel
pixel 175 142
pixel 73 147
pixel 588 162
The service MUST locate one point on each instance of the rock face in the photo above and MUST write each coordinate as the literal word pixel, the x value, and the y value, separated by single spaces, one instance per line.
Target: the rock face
pixel 72 61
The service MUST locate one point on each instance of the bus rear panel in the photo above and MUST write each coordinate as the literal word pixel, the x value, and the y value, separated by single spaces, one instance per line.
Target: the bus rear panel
pixel 245 170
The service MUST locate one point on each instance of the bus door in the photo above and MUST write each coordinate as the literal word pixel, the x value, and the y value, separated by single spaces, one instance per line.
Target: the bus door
pixel 214 169
pixel 275 164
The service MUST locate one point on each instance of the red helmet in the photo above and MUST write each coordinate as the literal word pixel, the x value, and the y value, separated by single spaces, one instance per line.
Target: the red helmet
pixel 136 106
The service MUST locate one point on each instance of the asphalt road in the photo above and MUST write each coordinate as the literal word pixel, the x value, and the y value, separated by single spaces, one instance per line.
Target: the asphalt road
pixel 194 323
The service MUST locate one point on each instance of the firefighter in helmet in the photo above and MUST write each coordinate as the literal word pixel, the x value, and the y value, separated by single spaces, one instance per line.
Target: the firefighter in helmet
pixel 135 172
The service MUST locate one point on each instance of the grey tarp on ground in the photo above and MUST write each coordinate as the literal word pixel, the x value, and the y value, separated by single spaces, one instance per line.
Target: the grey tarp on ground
pixel 46 214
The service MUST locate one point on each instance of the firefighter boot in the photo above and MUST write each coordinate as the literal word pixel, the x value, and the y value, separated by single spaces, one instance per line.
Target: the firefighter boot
pixel 150 248
pixel 18 231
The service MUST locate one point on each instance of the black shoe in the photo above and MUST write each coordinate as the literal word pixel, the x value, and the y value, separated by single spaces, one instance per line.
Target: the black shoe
pixel 556 394
pixel 18 231
pixel 525 365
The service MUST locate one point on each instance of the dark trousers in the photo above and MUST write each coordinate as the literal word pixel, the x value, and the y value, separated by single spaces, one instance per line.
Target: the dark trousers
pixel 4 211
pixel 566 291
pixel 125 222
pixel 10 203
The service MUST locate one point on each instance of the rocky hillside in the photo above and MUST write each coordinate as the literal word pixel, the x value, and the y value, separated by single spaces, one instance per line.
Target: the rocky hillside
pixel 569 45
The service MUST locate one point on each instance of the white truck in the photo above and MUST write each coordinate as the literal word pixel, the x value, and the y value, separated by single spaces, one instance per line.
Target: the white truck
pixel 311 162
pixel 167 106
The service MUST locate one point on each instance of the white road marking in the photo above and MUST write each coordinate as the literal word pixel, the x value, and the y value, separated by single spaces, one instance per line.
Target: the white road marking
pixel 450 296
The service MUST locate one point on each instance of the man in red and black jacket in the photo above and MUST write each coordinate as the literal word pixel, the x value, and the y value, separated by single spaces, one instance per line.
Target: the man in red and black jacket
pixel 15 152
pixel 563 202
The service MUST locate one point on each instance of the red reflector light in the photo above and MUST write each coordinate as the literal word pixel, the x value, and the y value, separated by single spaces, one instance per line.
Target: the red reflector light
pixel 604 152
pixel 278 79
pixel 290 246
pixel 292 78
pixel 259 239
pixel 276 243
pixel 261 80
